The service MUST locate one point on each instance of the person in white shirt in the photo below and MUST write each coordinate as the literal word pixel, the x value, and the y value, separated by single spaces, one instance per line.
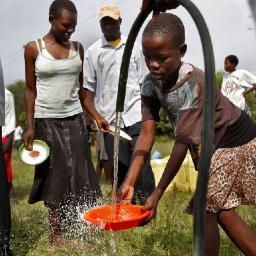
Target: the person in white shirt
pixel 237 83
pixel 7 133
pixel 18 136
pixel 102 68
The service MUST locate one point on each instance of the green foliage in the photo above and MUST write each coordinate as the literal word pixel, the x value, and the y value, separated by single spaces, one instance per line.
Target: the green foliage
pixel 251 101
pixel 164 126
pixel 163 144
pixel 219 78
pixel 18 89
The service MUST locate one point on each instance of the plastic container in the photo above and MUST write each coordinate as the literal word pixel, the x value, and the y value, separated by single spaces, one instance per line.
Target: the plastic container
pixel 38 155
pixel 116 217
pixel 158 166
pixel 186 178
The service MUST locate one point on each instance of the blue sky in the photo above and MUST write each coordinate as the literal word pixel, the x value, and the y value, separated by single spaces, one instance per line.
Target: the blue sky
pixel 230 24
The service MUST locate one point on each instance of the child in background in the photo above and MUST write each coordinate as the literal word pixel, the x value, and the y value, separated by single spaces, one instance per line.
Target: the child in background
pixel 237 83
pixel 179 87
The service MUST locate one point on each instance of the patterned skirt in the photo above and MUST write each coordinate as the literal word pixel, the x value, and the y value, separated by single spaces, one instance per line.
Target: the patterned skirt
pixel 232 178
pixel 67 176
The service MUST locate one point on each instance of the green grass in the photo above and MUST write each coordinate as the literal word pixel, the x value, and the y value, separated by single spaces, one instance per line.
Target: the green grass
pixel 169 234
pixel 164 145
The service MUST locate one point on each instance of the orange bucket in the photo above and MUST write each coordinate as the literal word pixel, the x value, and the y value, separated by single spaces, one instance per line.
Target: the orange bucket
pixel 116 217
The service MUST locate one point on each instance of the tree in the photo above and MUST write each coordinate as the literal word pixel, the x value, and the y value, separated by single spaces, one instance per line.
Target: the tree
pixel 164 127
pixel 219 78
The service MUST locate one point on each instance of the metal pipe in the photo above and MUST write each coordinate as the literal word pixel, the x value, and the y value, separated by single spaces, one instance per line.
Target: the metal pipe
pixel 208 127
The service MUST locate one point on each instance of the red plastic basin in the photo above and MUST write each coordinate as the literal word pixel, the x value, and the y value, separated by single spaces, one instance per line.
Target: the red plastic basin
pixel 116 217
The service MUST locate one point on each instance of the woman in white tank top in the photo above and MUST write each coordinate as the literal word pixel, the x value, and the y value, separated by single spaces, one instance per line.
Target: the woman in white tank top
pixel 53 103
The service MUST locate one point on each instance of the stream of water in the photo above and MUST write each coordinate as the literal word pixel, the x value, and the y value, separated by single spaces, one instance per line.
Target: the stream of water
pixel 116 149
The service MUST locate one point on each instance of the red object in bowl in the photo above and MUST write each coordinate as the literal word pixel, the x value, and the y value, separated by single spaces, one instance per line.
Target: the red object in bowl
pixel 116 217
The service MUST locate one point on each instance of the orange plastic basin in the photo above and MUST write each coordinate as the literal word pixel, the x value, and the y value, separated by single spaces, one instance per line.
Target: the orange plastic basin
pixel 116 217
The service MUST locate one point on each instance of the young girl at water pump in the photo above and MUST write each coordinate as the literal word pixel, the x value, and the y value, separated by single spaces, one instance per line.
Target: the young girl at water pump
pixel 179 87
pixel 53 99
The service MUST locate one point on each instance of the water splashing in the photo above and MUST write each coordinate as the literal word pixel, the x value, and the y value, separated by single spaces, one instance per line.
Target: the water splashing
pixel 116 150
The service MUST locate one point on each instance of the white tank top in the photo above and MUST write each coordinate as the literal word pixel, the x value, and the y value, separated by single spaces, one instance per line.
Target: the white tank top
pixel 57 84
